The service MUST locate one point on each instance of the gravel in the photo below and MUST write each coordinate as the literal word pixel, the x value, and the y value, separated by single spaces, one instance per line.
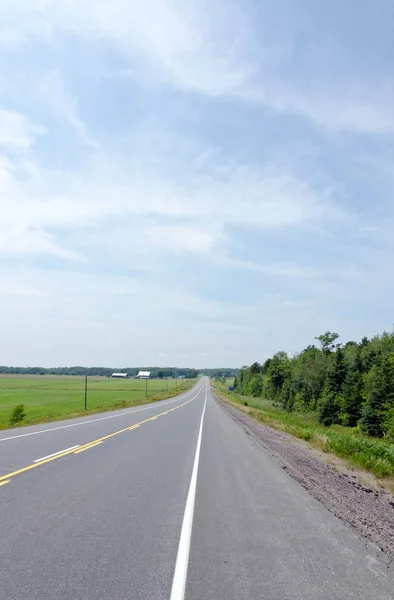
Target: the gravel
pixel 368 510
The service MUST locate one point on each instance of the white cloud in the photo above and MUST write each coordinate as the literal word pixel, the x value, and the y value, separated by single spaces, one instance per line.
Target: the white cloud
pixel 23 241
pixel 215 48
pixel 185 238
pixel 195 44
pixel 16 131
pixel 199 213
pixel 201 201
pixel 54 93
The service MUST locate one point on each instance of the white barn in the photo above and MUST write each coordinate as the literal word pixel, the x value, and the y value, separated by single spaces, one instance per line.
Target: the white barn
pixel 143 375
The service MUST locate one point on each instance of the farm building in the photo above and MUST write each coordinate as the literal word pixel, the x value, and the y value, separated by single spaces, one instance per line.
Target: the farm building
pixel 119 375
pixel 143 375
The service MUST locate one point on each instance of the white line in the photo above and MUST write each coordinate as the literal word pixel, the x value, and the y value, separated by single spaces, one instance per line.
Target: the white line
pixel 127 412
pixel 56 453
pixel 182 561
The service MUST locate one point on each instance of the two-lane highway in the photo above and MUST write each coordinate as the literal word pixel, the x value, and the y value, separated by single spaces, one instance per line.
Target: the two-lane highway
pixel 52 441
pixel 167 501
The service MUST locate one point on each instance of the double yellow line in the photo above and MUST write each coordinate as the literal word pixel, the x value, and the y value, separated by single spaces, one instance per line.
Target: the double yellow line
pixel 7 478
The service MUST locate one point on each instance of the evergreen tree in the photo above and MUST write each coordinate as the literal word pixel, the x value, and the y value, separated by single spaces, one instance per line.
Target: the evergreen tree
pixel 380 396
pixel 352 393
pixel 337 373
pixel 328 413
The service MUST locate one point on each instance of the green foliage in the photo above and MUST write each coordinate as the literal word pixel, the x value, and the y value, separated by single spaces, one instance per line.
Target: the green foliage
pixel 373 455
pixel 18 414
pixel 368 454
pixel 389 425
pixel 328 413
pixel 255 386
pixel 351 384
pixel 337 373
pixel 327 341
pixel 353 392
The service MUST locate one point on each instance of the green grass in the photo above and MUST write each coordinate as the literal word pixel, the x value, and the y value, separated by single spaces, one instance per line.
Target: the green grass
pixel 49 398
pixel 374 455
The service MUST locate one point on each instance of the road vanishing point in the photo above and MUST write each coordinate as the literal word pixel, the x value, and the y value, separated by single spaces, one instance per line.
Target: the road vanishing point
pixel 168 501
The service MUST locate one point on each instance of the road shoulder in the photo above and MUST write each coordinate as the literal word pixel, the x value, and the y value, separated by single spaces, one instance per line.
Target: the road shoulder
pixel 369 511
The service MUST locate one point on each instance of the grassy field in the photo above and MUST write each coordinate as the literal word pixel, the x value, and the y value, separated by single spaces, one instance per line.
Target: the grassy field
pixel 371 454
pixel 48 398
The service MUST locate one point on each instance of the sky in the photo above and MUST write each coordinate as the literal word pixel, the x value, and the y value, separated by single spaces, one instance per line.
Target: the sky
pixel 193 183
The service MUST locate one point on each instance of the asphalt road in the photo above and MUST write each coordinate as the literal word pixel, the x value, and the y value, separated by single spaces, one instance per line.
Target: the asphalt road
pixel 169 501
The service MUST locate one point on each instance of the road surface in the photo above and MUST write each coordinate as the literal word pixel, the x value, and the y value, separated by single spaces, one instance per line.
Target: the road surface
pixel 164 502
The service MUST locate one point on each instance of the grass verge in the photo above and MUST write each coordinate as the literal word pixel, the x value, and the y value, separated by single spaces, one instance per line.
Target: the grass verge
pixel 375 456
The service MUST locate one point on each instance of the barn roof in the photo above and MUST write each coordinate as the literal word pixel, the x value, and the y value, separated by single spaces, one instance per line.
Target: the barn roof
pixel 144 374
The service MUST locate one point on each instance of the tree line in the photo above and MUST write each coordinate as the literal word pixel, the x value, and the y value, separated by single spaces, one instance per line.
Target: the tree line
pixel 100 371
pixel 350 384
pixel 160 372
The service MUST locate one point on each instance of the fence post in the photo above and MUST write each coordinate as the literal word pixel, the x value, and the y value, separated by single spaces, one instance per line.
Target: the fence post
pixel 86 392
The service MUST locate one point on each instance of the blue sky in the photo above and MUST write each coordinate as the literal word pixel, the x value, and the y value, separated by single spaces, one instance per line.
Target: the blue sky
pixel 192 182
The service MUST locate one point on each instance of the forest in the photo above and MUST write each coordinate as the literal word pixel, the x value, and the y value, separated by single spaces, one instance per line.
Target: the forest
pixel 349 384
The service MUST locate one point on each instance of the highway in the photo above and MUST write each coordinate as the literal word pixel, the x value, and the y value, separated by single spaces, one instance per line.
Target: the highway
pixel 163 502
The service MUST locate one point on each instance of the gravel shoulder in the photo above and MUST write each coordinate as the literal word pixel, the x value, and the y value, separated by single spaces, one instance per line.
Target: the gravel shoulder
pixel 368 510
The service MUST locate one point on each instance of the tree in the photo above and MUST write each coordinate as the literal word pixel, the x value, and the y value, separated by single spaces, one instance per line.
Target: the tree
pixel 348 384
pixel 278 370
pixel 255 387
pixel 337 373
pixel 380 386
pixel 328 413
pixel 18 414
pixel 327 341
pixel 353 394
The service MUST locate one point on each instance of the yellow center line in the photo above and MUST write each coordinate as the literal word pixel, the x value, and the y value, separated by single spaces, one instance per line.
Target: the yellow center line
pixel 6 478
pixel 87 447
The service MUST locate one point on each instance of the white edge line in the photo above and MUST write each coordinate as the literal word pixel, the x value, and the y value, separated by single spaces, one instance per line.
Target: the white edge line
pixel 182 561
pixel 128 412
pixel 56 453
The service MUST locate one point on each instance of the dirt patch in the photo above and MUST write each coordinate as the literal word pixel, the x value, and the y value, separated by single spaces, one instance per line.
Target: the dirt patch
pixel 350 495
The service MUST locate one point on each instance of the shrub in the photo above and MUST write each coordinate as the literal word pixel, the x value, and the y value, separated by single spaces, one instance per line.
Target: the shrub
pixel 18 414
pixel 245 403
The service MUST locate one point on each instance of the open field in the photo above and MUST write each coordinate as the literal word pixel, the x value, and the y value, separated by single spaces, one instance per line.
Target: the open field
pixel 370 454
pixel 49 398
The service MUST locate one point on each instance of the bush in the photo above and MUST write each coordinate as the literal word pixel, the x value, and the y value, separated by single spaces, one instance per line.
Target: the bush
pixel 245 403
pixel 18 414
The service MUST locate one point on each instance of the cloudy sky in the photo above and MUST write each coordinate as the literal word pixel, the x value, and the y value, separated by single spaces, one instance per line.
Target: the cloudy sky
pixel 193 182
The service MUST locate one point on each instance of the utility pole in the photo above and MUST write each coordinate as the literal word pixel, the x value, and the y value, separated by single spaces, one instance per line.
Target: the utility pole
pixel 146 387
pixel 86 392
